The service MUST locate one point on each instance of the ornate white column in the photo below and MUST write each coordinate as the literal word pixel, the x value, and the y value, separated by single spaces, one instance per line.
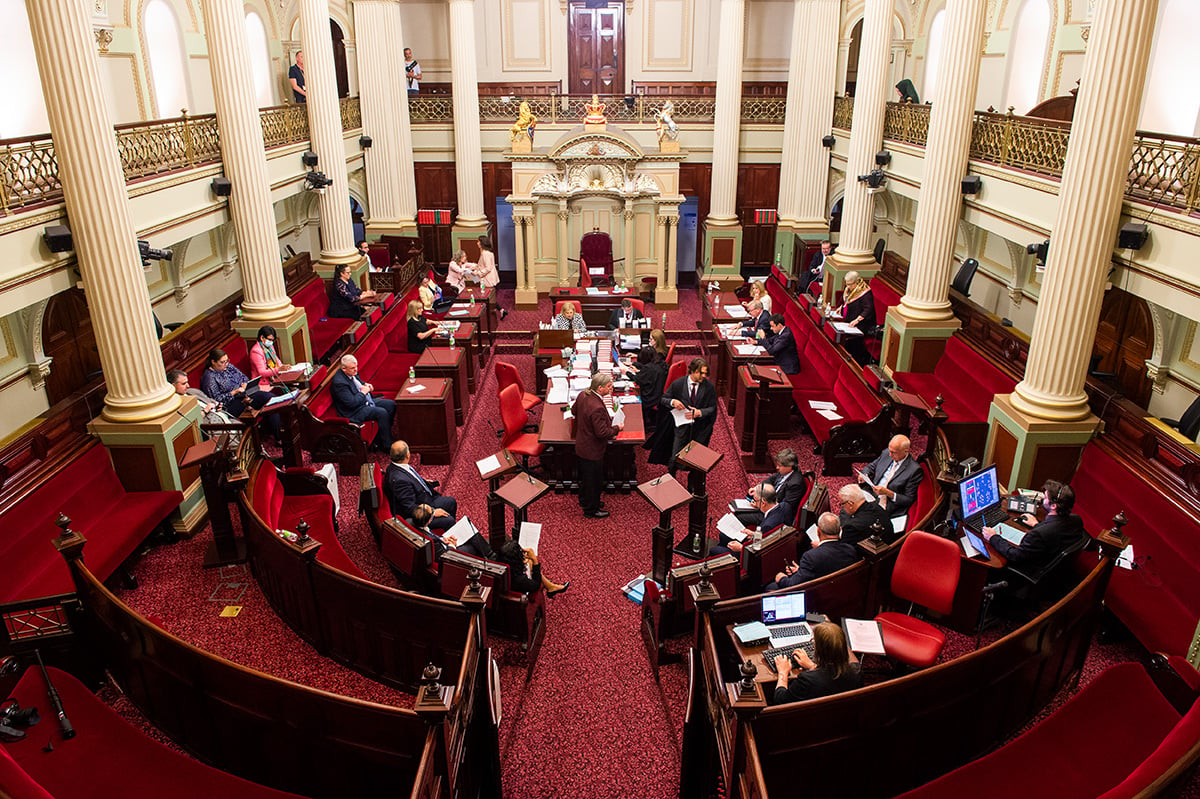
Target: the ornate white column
pixel 1047 416
pixel 630 265
pixel 728 114
pixel 1089 207
pixel 789 165
pixel 947 146
pixel 866 136
pixel 384 99
pixel 93 185
pixel 818 87
pixel 325 132
pixel 468 159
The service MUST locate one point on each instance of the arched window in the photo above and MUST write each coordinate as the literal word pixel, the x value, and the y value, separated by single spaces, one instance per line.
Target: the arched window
pixel 1027 56
pixel 933 55
pixel 1172 94
pixel 260 59
pixel 22 109
pixel 168 61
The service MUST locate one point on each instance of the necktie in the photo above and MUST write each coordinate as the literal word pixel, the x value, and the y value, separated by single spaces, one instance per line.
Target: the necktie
pixel 420 479
pixel 358 384
pixel 692 384
pixel 891 471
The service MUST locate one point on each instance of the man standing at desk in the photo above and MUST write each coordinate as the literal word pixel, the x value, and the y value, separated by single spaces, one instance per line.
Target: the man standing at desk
pixel 624 316
pixel 894 477
pixel 593 430
pixel 1044 541
pixel 695 400
pixel 815 267
pixel 782 345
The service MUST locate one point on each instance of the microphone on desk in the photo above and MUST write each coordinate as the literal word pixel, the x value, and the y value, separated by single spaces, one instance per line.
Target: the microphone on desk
pixel 992 588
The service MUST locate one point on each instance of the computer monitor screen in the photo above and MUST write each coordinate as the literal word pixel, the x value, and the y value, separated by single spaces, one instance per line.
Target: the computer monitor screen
pixel 979 492
pixel 781 608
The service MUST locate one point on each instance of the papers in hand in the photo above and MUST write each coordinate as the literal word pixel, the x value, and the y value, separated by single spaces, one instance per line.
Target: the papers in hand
pixel 731 526
pixel 1010 534
pixel 813 534
pixel 864 636
pixel 530 535
pixel 828 414
pixel 618 417
pixel 680 416
pixel 489 464
pixel 415 388
pixel 737 312
pixel 462 532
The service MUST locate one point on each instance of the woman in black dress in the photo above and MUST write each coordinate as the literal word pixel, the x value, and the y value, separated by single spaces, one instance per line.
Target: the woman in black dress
pixel 649 374
pixel 420 329
pixel 516 558
pixel 858 310
pixel 834 670
pixel 344 295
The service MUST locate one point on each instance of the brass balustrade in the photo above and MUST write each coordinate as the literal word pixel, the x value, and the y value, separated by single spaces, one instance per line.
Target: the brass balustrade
pixel 1165 169
pixel 284 124
pixel 764 110
pixel 1034 145
pixel 843 112
pixel 905 122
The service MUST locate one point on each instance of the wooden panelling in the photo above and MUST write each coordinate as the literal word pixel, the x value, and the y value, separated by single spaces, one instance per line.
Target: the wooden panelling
pixel 893 347
pixel 436 187
pixel 1124 340
pixel 596 47
pixel 722 252
pixel 186 438
pixel 1004 454
pixel 695 180
pixel 926 352
pixel 137 467
pixel 706 88
pixel 1054 462
pixel 757 188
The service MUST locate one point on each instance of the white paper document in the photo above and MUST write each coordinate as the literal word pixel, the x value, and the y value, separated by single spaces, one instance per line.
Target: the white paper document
pixel 749 349
pixel 282 398
pixel 488 464
pixel 530 536
pixel 415 388
pixel 680 416
pixel 1125 559
pixel 968 548
pixel 462 532
pixel 555 371
pixel 1010 534
pixel 823 405
pixel 899 523
pixel 846 330
pixel 461 312
pixel 830 415
pixel 592 290
pixel 558 393
pixel 737 312
pixel 865 636
pixel 731 526
pixel 812 534
pixel 618 417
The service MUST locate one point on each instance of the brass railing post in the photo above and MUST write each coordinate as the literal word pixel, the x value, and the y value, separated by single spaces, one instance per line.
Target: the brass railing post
pixel 189 145
pixel 1006 139
pixel 5 177
pixel 553 106
pixel 1191 157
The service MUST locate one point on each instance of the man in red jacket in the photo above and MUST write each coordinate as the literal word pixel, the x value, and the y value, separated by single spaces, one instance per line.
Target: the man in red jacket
pixel 593 430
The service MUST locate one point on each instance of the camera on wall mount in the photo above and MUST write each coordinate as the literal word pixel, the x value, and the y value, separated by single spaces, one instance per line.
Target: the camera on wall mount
pixel 316 181
pixel 1041 251
pixel 149 254
pixel 874 180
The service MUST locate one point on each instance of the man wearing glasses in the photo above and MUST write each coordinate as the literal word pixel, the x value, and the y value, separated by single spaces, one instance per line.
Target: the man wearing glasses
pixel 859 517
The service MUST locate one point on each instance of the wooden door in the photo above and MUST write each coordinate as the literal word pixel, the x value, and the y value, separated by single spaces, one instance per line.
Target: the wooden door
pixel 339 59
pixel 596 47
pixel 70 342
pixel 757 188
pixel 1124 340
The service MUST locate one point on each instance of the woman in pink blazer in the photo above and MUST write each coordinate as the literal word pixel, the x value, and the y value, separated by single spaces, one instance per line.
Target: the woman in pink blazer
pixel 489 275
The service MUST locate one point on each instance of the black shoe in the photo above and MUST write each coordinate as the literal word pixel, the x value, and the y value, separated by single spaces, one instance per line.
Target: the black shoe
pixel 554 593
pixel 600 514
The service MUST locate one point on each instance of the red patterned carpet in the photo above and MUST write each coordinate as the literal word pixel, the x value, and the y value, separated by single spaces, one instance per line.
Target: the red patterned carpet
pixel 591 722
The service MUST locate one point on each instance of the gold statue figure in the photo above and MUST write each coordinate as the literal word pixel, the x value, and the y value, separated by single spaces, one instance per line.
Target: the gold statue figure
pixel 524 125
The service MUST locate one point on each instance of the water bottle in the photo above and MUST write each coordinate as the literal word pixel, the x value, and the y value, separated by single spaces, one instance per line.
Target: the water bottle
pixel 472 300
pixel 664 327
pixel 412 373
pixel 239 310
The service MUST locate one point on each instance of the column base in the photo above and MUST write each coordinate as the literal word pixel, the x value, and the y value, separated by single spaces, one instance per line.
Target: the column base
pixel 526 299
pixel 914 345
pixel 391 227
pixel 146 457
pixel 666 299
pixel 291 331
pixel 467 229
pixel 722 252
pixel 1029 451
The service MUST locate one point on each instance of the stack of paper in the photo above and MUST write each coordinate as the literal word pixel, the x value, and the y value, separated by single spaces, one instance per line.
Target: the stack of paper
pixel 618 416
pixel 488 464
pixel 415 388
pixel 530 535
pixel 680 416
pixel 822 405
pixel 558 393
pixel 741 504
pixel 749 349
pixel 555 371
pixel 864 636
pixel 731 526
pixel 832 416
pixel 846 330
pixel 592 290
pixel 737 312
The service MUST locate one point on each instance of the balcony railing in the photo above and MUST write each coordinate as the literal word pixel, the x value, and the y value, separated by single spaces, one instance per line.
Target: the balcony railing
pixel 29 170
pixel 568 108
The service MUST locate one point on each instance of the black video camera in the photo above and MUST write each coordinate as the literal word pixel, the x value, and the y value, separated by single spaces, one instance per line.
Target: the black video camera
pixel 13 718
pixel 149 253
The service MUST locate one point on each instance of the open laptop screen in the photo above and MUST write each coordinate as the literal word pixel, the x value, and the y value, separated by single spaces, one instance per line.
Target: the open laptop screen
pixel 783 608
pixel 979 492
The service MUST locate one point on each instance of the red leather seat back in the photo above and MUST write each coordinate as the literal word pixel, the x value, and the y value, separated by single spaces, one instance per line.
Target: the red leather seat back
pixel 558 306
pixel 926 571
pixel 512 413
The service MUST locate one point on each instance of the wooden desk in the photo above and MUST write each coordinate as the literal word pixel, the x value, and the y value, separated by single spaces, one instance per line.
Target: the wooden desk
pixel 490 318
pixel 755 655
pixel 760 415
pixel 547 351
pixel 472 314
pixel 620 460
pixel 506 465
pixel 465 339
pixel 425 419
pixel 519 493
pixel 731 361
pixel 597 308
pixel 451 364
pixel 699 460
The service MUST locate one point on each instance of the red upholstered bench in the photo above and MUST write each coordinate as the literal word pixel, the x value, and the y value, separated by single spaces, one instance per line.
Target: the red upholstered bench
pixel 1159 601
pixel 383 356
pixel 282 500
pixel 114 521
pixel 324 333
pixel 108 757
pixel 330 438
pixel 1113 739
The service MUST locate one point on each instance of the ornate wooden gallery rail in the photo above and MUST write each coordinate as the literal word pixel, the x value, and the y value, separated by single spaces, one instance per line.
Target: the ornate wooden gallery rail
pixel 29 170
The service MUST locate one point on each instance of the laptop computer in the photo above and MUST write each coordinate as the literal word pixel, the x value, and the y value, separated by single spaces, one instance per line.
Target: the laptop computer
pixel 981 501
pixel 783 615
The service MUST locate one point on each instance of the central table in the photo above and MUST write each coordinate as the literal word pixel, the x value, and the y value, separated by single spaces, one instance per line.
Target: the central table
pixel 620 461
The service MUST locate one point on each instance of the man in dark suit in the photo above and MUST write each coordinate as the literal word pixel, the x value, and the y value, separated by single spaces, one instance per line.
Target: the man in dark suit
pixel 406 490
pixel 829 555
pixel 774 515
pixel 593 430
pixel 894 477
pixel 759 322
pixel 1045 540
pixel 861 518
pixel 782 345
pixel 352 399
pixel 816 267
pixel 790 486
pixel 625 316
pixel 696 397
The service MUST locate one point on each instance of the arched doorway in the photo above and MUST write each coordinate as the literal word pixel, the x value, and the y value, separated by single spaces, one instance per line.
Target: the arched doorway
pixel 339 59
pixel 70 343
pixel 852 58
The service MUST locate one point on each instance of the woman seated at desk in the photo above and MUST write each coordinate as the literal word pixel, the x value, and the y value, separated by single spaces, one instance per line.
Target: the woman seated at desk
pixel 758 291
pixel 420 329
pixel 658 340
pixel 568 320
pixel 344 296
pixel 431 296
pixel 264 362
pixel 835 669
pixel 858 309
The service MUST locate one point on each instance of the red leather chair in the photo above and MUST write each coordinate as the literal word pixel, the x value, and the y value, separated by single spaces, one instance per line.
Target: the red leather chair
pixel 516 440
pixel 670 354
pixel 639 304
pixel 926 574
pixel 595 252
pixel 558 306
pixel 675 370
pixel 507 375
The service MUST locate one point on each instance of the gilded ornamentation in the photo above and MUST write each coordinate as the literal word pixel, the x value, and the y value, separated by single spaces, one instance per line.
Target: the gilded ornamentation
pixel 524 126
pixel 104 37
pixel 594 112
pixel 843 112
pixel 664 123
